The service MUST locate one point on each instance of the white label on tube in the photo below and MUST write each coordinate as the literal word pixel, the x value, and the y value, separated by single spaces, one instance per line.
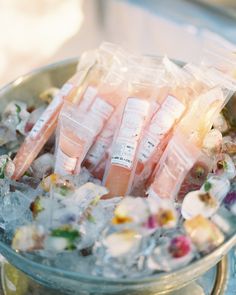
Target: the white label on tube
pixel 64 164
pixel 88 97
pixel 96 152
pixel 103 141
pixel 125 146
pixel 161 123
pixel 102 108
pixel 46 117
pixel 96 117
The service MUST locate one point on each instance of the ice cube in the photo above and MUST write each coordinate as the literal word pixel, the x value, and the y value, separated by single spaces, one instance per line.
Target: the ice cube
pixel 91 227
pixel 6 134
pixel 126 260
pixel 62 238
pixel 216 186
pixel 14 206
pixel 82 178
pixel 15 116
pixel 175 253
pixel 198 202
pixel 4 187
pixel 43 165
pixel 212 142
pixel 224 166
pixel 28 238
pixel 204 234
pixel 131 210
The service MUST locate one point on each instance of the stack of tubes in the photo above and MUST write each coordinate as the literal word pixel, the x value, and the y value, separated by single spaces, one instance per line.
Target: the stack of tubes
pixel 138 123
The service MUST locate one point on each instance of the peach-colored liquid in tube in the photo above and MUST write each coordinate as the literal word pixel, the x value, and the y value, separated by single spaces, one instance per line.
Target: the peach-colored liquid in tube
pixel 121 168
pixel 80 88
pixel 171 110
pixel 159 132
pixel 125 146
pixel 98 151
pixel 184 148
pixel 88 125
pixel 43 128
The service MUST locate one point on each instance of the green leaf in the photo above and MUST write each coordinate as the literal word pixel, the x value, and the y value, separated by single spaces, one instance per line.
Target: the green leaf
pixel 207 186
pixel 225 165
pixel 18 110
pixel 95 201
pixel 2 169
pixel 64 190
pixel 66 232
pixel 27 173
pixel 91 218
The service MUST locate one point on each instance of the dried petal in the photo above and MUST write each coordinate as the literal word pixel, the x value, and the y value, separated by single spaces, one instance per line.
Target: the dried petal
pixel 225 166
pixel 28 238
pixel 204 234
pixel 131 210
pixel 48 94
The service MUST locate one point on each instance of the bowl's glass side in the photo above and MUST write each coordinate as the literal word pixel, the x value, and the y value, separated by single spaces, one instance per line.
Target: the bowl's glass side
pixel 71 283
pixel 27 88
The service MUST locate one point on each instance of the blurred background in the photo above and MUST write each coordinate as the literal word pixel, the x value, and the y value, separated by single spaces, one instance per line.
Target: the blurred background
pixel 34 33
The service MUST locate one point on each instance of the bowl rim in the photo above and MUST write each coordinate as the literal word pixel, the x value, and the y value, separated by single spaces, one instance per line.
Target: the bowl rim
pixel 208 259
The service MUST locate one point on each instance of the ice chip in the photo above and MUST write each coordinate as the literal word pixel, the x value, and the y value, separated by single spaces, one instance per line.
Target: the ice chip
pixel 6 134
pixel 61 185
pixel 84 195
pixel 7 166
pixel 82 177
pixel 13 206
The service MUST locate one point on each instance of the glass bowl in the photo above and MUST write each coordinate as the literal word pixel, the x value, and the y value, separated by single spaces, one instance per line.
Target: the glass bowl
pixel 27 88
